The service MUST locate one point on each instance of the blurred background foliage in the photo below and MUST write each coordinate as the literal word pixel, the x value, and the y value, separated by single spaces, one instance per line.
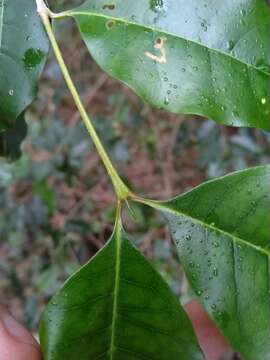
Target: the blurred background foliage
pixel 56 202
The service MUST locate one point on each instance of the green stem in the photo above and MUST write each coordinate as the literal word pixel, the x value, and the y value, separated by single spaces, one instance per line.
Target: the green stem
pixel 121 189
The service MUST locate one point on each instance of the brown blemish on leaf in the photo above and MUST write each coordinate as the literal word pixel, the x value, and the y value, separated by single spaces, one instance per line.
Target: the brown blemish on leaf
pixel 159 45
pixel 108 7
pixel 110 24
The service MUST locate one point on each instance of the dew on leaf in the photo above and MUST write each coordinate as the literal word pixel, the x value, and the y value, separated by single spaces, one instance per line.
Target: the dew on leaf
pixel 166 101
pixel 230 45
pixel 242 12
pixel 156 5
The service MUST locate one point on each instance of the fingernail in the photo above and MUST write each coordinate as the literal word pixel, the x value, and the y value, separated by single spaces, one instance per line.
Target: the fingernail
pixel 16 330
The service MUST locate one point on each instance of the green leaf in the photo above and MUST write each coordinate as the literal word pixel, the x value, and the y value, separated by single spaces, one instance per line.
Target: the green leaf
pixel 117 307
pixel 11 139
pixel 23 49
pixel 200 57
pixel 222 233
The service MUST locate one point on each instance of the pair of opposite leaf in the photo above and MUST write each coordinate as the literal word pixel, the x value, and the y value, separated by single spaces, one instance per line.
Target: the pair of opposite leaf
pixel 118 307
pixel 215 63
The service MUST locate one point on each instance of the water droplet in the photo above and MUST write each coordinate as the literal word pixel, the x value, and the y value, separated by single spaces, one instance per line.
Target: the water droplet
pixel 166 101
pixel 156 5
pixel 242 12
pixel 11 92
pixel 263 100
pixel 230 45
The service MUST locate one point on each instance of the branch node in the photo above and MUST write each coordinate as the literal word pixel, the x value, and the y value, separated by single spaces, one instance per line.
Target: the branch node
pixel 41 7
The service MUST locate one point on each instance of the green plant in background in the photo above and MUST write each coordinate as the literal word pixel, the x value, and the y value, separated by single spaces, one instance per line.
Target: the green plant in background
pixel 203 58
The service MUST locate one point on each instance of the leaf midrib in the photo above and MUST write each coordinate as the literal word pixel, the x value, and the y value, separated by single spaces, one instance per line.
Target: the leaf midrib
pixel 161 207
pixel 146 27
pixel 116 288
pixel 2 22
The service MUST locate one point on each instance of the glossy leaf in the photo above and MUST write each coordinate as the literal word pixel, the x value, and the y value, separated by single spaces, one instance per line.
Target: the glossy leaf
pixel 222 233
pixel 23 49
pixel 117 307
pixel 11 139
pixel 209 58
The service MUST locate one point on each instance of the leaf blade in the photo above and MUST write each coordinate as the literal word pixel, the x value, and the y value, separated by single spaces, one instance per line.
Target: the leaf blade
pixel 228 265
pixel 201 71
pixel 121 310
pixel 11 139
pixel 23 49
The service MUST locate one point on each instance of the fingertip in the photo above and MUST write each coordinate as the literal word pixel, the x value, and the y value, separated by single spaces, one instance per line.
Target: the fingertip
pixel 213 344
pixel 16 342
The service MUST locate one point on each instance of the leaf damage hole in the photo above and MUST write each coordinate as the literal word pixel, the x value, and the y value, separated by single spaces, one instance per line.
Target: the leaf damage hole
pixel 110 24
pixel 159 45
pixel 108 7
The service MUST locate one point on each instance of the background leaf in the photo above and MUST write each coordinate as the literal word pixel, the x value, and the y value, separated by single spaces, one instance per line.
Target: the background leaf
pixel 11 139
pixel 221 230
pixel 203 58
pixel 117 307
pixel 23 49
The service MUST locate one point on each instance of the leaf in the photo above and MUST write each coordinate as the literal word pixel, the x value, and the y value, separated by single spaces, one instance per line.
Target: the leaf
pixel 222 233
pixel 194 57
pixel 23 49
pixel 117 307
pixel 11 139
